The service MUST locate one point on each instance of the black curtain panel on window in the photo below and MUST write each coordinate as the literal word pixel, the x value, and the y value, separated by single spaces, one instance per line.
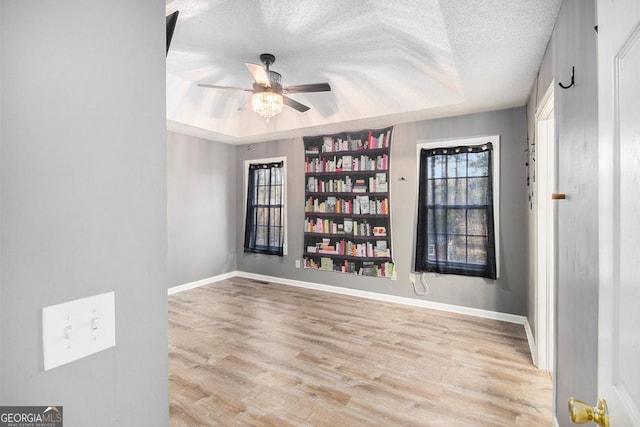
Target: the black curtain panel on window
pixel 455 232
pixel 264 227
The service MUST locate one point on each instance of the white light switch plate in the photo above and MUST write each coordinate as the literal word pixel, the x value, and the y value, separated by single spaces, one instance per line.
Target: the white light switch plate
pixel 75 329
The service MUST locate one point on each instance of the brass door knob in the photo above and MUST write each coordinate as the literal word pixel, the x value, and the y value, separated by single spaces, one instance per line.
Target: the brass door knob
pixel 582 413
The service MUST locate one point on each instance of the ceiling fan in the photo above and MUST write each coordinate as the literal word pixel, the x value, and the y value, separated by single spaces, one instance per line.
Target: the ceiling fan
pixel 268 94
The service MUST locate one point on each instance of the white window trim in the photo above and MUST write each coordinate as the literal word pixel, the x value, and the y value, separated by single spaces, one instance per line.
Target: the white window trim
pixel 495 140
pixel 247 163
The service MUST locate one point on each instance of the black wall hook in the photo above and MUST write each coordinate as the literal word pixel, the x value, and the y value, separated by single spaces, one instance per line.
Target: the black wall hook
pixel 573 69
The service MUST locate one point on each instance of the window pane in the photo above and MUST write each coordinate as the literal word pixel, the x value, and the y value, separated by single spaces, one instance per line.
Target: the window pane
pixel 478 164
pixel 261 216
pixel 457 221
pixel 435 192
pixel 437 218
pixel 436 167
pixel 274 236
pixel 275 216
pixel 261 235
pixel 477 222
pixel 276 195
pixel 457 166
pixel 431 247
pixel 261 193
pixel 276 176
pixel 457 249
pixel 431 227
pixel 441 246
pixel 457 191
pixel 477 250
pixel 478 191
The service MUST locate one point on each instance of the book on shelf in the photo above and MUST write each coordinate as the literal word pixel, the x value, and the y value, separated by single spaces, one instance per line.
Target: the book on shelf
pixel 331 204
pixel 312 184
pixel 364 205
pixel 359 186
pixel 327 144
pixel 379 231
pixel 347 163
pixel 348 226
pixel 381 182
pixel 326 264
pixel 313 149
pixel 367 268
pixel 381 249
pixel 327 250
pixel 364 229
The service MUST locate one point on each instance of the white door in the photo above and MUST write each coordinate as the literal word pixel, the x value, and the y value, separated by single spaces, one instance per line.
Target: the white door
pixel 619 209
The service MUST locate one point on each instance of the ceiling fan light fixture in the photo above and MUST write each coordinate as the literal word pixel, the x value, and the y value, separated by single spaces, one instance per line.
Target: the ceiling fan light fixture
pixel 267 104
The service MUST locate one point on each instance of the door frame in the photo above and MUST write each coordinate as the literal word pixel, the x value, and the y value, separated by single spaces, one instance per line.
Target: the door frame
pixel 546 241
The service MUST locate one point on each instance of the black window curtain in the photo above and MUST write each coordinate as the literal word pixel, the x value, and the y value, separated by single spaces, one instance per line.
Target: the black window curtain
pixel 455 232
pixel 264 228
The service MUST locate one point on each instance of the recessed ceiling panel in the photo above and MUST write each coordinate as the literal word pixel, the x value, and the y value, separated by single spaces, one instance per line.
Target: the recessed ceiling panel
pixel 384 61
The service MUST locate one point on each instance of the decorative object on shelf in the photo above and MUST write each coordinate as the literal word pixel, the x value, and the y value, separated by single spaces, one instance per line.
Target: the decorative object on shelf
pixel 347 225
pixel 268 95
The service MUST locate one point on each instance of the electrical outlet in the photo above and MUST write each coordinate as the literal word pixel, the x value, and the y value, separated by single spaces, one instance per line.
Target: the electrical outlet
pixel 412 278
pixel 297 263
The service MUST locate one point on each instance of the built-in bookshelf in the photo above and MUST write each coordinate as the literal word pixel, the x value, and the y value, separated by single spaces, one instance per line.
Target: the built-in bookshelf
pixel 347 224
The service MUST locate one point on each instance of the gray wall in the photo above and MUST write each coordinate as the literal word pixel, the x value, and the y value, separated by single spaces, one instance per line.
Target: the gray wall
pixel 508 294
pixel 574 44
pixel 83 201
pixel 201 202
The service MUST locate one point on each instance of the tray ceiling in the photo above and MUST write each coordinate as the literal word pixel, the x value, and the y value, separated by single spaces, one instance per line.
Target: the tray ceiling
pixel 387 62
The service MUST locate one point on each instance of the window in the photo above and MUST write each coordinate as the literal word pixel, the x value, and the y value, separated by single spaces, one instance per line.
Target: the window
pixel 455 230
pixel 265 227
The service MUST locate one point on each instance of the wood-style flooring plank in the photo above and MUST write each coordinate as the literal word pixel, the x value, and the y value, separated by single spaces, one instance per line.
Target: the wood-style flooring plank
pixel 248 353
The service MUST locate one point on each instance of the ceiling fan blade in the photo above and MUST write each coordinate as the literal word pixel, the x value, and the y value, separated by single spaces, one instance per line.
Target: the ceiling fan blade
pixel 224 87
pixel 313 87
pixel 259 74
pixel 171 25
pixel 294 104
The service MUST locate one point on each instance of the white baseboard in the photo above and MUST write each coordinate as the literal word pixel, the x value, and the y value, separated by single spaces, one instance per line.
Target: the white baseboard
pixel 532 342
pixel 201 282
pixel 505 317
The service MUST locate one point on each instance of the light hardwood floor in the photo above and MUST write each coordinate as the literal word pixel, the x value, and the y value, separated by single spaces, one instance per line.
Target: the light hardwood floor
pixel 249 353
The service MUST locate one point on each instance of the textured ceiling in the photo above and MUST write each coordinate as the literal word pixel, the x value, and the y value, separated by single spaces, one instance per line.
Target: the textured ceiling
pixel 387 62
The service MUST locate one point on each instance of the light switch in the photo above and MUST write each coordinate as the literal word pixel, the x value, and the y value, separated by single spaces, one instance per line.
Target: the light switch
pixel 75 329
